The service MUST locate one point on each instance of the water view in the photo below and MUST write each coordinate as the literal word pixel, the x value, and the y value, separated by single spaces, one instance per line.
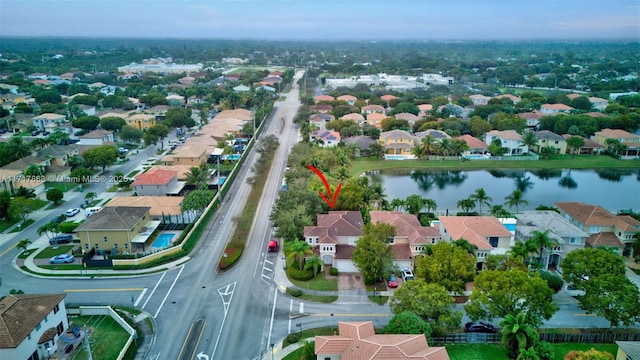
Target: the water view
pixel 613 189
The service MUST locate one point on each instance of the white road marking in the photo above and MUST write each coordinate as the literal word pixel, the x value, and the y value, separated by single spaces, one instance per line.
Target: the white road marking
pixel 154 290
pixel 290 310
pixel 301 308
pixel 168 292
pixel 273 313
pixel 226 293
pixel 144 291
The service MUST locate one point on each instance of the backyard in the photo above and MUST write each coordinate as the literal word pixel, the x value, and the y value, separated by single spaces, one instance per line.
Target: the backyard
pixel 107 337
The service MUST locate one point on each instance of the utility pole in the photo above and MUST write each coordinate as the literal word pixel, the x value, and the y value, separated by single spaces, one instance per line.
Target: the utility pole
pixel 87 346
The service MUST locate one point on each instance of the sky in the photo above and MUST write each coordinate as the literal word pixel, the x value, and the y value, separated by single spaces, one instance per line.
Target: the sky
pixel 324 20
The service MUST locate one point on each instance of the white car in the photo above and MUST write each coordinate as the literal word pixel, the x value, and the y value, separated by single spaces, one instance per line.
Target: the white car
pixel 72 212
pixel 407 274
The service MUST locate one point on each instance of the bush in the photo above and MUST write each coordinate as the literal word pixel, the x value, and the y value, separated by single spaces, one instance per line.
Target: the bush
pixel 333 271
pixel 294 292
pixel 301 275
pixel 554 282
pixel 293 338
pixel 68 227
pixel 544 350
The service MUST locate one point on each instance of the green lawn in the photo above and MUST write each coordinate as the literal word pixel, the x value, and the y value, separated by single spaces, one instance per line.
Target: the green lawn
pixel 497 352
pixel 64 186
pixel 556 162
pixel 23 225
pixel 294 355
pixel 107 337
pixel 320 283
pixel 50 252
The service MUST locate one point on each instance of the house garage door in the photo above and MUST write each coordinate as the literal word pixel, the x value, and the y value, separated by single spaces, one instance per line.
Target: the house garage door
pixel 346 266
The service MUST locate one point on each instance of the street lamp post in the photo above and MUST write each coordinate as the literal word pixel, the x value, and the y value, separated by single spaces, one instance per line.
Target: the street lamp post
pixel 272 351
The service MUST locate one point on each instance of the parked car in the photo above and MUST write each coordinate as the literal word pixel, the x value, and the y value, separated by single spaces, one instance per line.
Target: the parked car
pixel 273 246
pixel 393 281
pixel 123 150
pixel 59 219
pixel 479 326
pixel 62 259
pixel 72 212
pixel 61 239
pixel 407 274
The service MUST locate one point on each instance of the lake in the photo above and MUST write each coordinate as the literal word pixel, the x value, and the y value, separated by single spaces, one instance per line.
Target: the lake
pixel 613 189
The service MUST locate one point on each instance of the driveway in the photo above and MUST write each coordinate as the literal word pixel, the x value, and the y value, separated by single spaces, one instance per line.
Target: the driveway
pixel 350 282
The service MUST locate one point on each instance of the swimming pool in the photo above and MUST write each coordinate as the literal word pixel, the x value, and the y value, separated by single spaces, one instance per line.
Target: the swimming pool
pixel 396 157
pixel 233 157
pixel 477 157
pixel 162 240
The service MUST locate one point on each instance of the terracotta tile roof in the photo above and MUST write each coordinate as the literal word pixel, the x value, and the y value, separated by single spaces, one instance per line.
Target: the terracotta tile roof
pixel 376 108
pixel 396 134
pixel 425 107
pixel 513 98
pixel 334 224
pixel 616 134
pixel 607 239
pixel 506 134
pixel 358 341
pixel 376 118
pixel 358 118
pixel 591 215
pixel 473 142
pixel 154 177
pixel 548 135
pixel 558 107
pixel 321 107
pixel 181 170
pixel 407 116
pixel 114 218
pixel 475 229
pixel 595 114
pixel 347 98
pixel 529 115
pixel 401 251
pixel 626 223
pixel 388 97
pixel 587 142
pixel 574 96
pixel 407 226
pixel 21 313
pixel 160 205
pixel 594 99
pixel 319 98
pixel 344 252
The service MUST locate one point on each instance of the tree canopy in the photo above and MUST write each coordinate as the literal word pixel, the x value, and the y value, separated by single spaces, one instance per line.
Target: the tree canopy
pixel 447 265
pixel 372 254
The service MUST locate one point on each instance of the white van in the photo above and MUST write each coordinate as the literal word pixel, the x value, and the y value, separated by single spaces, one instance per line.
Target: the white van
pixel 92 210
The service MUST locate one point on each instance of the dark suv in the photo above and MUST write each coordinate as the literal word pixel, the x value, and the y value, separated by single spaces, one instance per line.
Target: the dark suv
pixel 61 239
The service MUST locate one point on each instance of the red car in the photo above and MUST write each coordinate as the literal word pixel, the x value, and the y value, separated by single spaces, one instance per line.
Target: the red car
pixel 273 246
pixel 393 281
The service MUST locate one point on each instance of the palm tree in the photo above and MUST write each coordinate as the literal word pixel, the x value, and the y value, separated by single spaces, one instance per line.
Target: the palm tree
pixel 414 203
pixel 515 199
pixel 529 139
pixel 481 197
pixel 23 244
pixel 50 229
pixel 376 196
pixel 397 204
pixel 427 145
pixel 18 147
pixel 198 176
pixel 499 212
pixel 517 333
pixel 522 250
pixel 298 249
pixel 466 204
pixel 35 170
pixel 466 246
pixel 90 196
pixel 315 263
pixel 458 147
pixel 541 241
pixel 429 205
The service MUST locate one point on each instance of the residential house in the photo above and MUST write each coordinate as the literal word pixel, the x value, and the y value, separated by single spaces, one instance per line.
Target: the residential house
pixel 31 325
pixel 187 80
pixel 486 232
pixel 375 119
pixel 8 179
pixel 359 145
pixel 511 141
pixel 241 89
pixel 181 170
pixel 175 100
pixel 514 99
pixel 631 141
pixel 598 103
pixel 321 108
pixel 358 118
pixel 97 138
pixel 476 146
pixel 479 99
pixel 411 237
pixel 616 232
pixel 349 99
pixel 553 109
pixel 117 229
pixel 425 109
pixel 13 89
pixel 532 118
pixel 397 143
pixel 628 350
pixel 163 208
pixel 358 340
pixel 590 147
pixel 335 237
pixel 59 154
pixel 187 154
pixel 320 120
pixel 87 109
pixel 438 135
pixel 370 109
pixel 42 120
pixel 564 235
pixel 549 138
pixel 388 98
pixel 326 138
pixel 157 182
pixel 408 117
pixel 320 98
pixel 141 121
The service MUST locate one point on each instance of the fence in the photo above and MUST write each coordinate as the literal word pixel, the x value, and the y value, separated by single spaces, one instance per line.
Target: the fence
pixel 482 338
